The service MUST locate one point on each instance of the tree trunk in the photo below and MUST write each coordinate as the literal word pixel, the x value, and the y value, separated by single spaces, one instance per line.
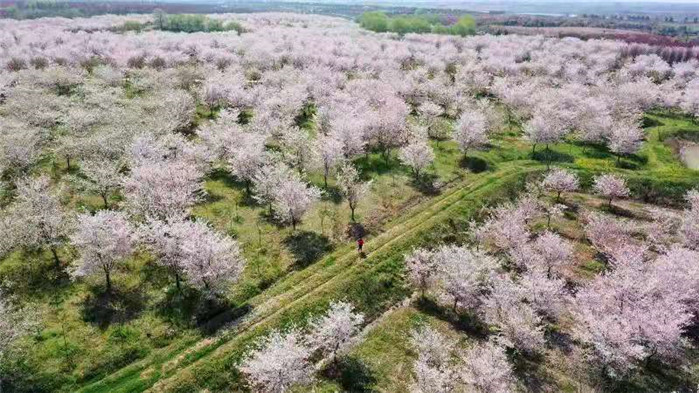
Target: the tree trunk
pixel 352 210
pixel 55 258
pixel 533 149
pixel 558 196
pixel 177 282
pixel 68 162
pixel 104 199
pixel 325 178
pixel 108 280
pixel 610 202
pixel 293 224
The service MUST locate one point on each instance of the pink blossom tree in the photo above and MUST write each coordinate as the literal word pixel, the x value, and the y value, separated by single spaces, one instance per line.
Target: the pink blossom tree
pixel 689 229
pixel 162 189
pixel 104 240
pixel 628 316
pixel 559 181
pixel 278 362
pixel 554 251
pixel 611 186
pixel 519 325
pixel 211 260
pixel 463 275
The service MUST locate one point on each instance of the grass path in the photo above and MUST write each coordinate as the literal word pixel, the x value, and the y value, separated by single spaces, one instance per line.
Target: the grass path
pixel 300 289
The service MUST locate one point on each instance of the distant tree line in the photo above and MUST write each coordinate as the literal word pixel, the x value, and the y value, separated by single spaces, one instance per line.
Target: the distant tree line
pixel 190 23
pixel 417 23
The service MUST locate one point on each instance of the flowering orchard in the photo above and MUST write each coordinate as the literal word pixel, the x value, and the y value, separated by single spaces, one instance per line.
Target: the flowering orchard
pixel 155 186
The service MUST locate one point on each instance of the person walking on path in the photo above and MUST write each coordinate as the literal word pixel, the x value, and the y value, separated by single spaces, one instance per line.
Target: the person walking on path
pixel 360 244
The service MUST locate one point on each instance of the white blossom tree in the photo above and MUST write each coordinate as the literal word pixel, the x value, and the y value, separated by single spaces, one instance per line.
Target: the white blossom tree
pixel 267 180
pixel 610 187
pixel 486 369
pixel 433 371
pixel 246 156
pixel 422 270
pixel 292 199
pixel 102 177
pixel 543 128
pixel 417 155
pixel 330 154
pixel 211 260
pixel 331 332
pixel 104 240
pixel 629 315
pixel 298 148
pixel 626 138
pixel 162 189
pixel 279 361
pixel 36 218
pixel 519 325
pixel 463 274
pixel 471 131
pixel 351 186
pixel 554 252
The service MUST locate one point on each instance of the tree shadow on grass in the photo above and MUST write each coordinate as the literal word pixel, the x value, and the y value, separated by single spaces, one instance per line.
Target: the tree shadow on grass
pixel 631 162
pixel 594 150
pixel 229 181
pixel 376 164
pixel 102 308
pixel 34 272
pixel 617 211
pixel 528 369
pixel 332 194
pixel 474 164
pixel 464 322
pixel 307 247
pixel 552 156
pixel 427 184
pixel 215 313
pixel 351 374
pixel 650 122
pixel 653 376
pixel 191 308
